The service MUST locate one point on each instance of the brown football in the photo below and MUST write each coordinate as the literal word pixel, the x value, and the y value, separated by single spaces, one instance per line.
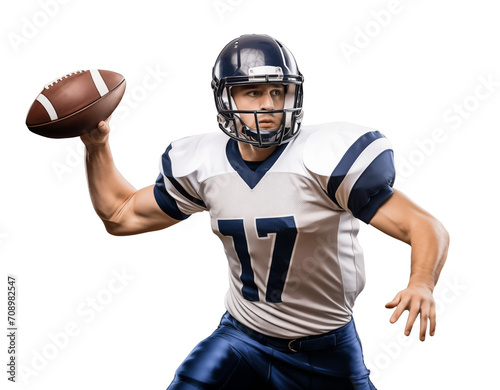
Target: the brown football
pixel 74 104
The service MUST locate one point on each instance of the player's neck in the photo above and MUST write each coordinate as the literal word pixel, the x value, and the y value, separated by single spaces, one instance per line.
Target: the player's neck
pixel 251 153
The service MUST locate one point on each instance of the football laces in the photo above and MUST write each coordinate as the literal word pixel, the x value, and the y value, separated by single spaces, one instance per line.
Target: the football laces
pixel 47 86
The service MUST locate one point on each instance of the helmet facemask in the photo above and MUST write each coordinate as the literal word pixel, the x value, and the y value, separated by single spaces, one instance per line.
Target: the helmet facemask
pixel 230 116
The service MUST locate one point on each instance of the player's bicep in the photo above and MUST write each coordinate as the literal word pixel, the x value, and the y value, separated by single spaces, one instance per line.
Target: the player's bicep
pixel 397 217
pixel 139 214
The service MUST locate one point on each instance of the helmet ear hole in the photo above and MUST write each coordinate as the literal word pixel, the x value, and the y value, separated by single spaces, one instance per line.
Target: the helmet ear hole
pixel 232 103
pixel 225 97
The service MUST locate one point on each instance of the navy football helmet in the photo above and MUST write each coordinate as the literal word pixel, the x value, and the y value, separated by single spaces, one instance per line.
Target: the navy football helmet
pixel 256 59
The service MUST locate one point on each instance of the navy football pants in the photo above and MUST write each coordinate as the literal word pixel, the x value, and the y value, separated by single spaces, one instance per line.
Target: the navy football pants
pixel 235 357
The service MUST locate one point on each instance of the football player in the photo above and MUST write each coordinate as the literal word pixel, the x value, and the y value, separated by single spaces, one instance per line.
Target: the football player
pixel 286 201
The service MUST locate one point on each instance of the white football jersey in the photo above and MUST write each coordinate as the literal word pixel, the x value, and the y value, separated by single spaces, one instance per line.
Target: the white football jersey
pixel 289 228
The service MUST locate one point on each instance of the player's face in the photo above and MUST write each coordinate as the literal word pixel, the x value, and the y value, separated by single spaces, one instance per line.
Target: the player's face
pixel 264 97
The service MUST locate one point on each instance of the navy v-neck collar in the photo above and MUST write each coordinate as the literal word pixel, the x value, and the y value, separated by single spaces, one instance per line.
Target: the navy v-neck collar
pixel 250 177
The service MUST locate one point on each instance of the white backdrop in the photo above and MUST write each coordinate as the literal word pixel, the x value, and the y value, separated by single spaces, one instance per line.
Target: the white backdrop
pixel 97 311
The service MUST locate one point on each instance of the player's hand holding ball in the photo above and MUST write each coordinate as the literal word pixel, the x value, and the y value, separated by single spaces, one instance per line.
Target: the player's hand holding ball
pixel 97 136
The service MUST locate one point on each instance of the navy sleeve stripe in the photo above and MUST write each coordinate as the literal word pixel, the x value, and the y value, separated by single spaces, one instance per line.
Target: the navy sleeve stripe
pixel 166 202
pixel 167 170
pixel 373 187
pixel 347 160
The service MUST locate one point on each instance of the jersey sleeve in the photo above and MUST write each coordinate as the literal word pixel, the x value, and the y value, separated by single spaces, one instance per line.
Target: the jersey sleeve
pixel 176 189
pixel 363 169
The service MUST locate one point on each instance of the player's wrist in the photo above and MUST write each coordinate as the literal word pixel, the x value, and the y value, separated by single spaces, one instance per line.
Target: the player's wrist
pixel 93 147
pixel 422 281
pixel 96 138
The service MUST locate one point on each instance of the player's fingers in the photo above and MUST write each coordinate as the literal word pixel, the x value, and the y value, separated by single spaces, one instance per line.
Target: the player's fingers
pixel 394 302
pixel 424 319
pixel 99 134
pixel 432 318
pixel 401 307
pixel 412 316
pixel 103 126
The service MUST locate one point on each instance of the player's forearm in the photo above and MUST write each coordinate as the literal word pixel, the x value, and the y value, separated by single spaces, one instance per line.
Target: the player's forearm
pixel 400 218
pixel 429 241
pixel 107 187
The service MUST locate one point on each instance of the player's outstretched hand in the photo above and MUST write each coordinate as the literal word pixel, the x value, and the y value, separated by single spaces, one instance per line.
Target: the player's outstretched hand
pixel 99 135
pixel 417 299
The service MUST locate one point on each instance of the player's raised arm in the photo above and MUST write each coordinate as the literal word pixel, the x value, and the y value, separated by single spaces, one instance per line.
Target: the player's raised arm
pixel 399 217
pixel 123 209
